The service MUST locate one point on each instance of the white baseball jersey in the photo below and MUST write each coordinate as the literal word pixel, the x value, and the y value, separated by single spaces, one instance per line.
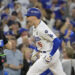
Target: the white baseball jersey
pixel 44 37
pixel 44 42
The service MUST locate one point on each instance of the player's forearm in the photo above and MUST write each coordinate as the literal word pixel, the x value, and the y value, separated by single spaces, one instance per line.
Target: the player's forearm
pixel 56 44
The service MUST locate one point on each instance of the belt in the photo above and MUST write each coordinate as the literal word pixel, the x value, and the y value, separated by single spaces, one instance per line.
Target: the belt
pixel 44 51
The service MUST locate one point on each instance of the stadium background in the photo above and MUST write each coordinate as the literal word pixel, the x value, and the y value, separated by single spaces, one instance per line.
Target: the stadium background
pixel 59 15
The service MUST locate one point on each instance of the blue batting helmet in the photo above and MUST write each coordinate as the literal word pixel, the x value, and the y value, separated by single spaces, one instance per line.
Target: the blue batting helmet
pixel 34 12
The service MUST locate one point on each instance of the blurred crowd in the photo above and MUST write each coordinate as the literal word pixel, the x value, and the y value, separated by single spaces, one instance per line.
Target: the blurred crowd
pixel 59 15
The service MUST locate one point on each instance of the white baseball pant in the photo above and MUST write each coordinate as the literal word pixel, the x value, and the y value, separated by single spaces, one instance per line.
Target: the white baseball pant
pixel 41 65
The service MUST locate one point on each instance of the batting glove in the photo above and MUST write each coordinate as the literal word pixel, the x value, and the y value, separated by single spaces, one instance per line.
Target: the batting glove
pixel 48 58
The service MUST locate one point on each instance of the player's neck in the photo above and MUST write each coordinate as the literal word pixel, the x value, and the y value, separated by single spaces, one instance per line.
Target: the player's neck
pixel 37 23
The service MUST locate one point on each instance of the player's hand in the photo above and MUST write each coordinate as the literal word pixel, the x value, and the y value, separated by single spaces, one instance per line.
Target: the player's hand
pixel 48 58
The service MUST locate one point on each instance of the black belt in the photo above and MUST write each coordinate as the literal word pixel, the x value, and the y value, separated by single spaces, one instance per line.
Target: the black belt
pixel 42 51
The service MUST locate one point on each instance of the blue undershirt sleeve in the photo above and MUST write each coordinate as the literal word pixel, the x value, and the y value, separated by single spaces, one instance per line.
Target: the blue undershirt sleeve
pixel 56 44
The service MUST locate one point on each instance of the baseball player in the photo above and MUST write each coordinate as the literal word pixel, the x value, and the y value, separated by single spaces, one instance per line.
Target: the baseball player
pixel 47 45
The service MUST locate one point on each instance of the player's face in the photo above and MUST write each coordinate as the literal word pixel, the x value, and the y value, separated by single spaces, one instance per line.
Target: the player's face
pixel 30 21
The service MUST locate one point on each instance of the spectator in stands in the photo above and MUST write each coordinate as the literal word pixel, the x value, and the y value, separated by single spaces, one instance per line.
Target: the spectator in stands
pixel 9 35
pixel 6 10
pixel 17 7
pixel 22 19
pixel 23 36
pixel 73 45
pixel 4 18
pixel 64 33
pixel 71 5
pixel 14 16
pixel 58 8
pixel 27 60
pixel 57 26
pixel 14 60
pixel 68 61
pixel 15 26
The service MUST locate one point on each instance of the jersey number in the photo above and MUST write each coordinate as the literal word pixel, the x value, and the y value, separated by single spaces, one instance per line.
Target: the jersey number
pixel 40 44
